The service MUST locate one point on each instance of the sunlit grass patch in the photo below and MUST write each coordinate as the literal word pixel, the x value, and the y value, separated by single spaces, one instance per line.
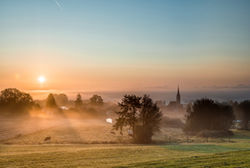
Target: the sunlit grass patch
pixel 84 155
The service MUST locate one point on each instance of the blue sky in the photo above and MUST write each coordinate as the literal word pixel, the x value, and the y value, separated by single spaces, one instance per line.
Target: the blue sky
pixel 143 43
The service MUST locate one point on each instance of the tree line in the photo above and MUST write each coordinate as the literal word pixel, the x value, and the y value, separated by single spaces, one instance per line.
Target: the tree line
pixel 14 102
pixel 141 115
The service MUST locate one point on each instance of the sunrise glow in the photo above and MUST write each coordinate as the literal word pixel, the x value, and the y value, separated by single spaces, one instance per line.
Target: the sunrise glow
pixel 41 79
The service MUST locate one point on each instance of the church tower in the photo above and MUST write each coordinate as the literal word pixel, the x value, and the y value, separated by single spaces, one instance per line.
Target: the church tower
pixel 178 96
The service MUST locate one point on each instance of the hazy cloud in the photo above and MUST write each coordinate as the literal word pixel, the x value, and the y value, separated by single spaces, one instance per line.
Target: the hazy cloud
pixel 158 87
pixel 238 86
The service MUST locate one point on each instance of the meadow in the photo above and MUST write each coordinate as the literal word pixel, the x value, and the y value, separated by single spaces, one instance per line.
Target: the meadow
pixel 90 143
pixel 106 155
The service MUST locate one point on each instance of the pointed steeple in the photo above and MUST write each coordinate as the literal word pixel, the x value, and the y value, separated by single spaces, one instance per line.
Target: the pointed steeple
pixel 178 96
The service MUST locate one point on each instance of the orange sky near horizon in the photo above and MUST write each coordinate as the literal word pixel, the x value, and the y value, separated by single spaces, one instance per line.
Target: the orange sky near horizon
pixel 128 77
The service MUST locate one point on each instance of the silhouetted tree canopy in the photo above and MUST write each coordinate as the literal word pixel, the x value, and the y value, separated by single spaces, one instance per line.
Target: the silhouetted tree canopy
pixel 96 100
pixel 15 102
pixel 78 101
pixel 140 115
pixel 244 108
pixel 205 114
pixel 128 114
pixel 61 99
pixel 51 102
pixel 150 117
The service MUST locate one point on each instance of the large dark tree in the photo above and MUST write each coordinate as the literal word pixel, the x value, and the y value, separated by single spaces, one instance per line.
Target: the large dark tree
pixel 205 114
pixel 129 112
pixel 61 99
pixel 140 115
pixel 150 117
pixel 96 100
pixel 51 102
pixel 15 102
pixel 244 109
pixel 78 101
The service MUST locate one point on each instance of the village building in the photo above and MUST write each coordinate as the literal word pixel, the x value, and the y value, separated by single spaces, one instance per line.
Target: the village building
pixel 176 105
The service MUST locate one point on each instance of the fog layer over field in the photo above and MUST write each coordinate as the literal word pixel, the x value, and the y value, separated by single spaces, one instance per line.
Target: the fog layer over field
pixel 72 127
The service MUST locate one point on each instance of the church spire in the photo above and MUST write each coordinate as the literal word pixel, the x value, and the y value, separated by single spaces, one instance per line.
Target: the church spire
pixel 178 96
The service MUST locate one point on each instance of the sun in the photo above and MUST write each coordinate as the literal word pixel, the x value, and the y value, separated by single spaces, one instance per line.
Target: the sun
pixel 41 79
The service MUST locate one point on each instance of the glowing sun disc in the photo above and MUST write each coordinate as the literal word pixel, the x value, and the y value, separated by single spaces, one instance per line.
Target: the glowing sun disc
pixel 41 79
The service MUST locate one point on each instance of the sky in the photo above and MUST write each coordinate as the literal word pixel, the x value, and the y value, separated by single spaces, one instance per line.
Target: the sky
pixel 120 45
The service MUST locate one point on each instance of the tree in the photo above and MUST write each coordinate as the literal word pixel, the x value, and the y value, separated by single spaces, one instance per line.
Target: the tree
pixel 205 114
pixel 128 114
pixel 96 100
pixel 140 115
pixel 51 102
pixel 15 101
pixel 78 101
pixel 150 117
pixel 244 108
pixel 61 99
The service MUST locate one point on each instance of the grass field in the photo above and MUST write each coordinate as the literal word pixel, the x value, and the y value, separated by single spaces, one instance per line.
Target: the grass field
pixel 105 155
pixel 61 131
pixel 78 144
